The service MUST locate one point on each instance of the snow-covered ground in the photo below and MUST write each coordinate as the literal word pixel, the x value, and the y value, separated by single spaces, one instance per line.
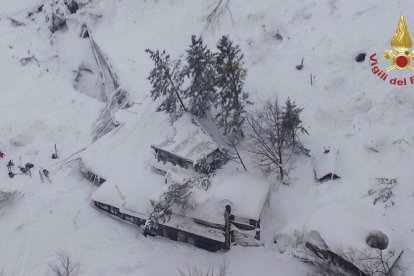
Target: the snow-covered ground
pixel 347 108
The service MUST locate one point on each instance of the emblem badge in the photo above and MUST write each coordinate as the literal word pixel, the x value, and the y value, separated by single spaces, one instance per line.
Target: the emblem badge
pixel 402 44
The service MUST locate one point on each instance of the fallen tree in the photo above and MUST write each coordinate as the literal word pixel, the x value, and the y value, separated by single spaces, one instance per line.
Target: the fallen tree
pixel 334 261
pixel 368 262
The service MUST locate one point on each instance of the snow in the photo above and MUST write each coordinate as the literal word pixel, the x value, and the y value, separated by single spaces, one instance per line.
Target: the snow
pixel 347 106
pixel 188 140
pixel 326 162
pixel 341 220
pixel 245 193
pixel 132 198
pixel 176 173
pixel 187 224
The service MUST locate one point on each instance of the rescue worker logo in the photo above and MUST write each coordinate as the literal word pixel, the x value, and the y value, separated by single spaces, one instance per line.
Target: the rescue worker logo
pixel 402 44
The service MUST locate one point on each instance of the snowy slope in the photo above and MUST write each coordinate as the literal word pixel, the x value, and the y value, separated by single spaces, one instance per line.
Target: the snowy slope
pixel 347 108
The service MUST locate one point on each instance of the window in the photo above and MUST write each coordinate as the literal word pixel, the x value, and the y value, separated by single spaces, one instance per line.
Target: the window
pixel 114 210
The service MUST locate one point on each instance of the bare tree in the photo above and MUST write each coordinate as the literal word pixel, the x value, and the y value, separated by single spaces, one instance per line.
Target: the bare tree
pixel 375 262
pixel 372 262
pixel 270 142
pixel 216 14
pixel 220 8
pixel 64 266
pixel 274 136
pixel 383 191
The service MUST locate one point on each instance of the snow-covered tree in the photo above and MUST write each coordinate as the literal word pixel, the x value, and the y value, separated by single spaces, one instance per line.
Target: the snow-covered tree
pixel 292 125
pixel 201 72
pixel 166 78
pixel 176 195
pixel 231 96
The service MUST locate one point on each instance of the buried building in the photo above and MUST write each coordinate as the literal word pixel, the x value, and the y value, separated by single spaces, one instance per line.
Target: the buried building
pixel 220 207
pixel 188 145
pixel 231 206
pixel 326 165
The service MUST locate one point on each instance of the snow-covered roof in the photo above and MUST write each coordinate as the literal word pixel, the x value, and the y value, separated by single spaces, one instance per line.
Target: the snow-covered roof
pixel 125 163
pixel 179 175
pixel 245 193
pixel 188 140
pixel 188 225
pixel 122 158
pixel 174 172
pixel 130 199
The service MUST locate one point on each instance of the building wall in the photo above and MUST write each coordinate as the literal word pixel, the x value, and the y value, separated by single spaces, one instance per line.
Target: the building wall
pixel 166 231
pixel 94 178
pixel 165 156
pixel 208 165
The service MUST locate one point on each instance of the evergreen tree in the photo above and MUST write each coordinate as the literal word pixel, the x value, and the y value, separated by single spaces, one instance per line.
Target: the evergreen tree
pixel 177 195
pixel 200 69
pixel 230 82
pixel 166 79
pixel 292 124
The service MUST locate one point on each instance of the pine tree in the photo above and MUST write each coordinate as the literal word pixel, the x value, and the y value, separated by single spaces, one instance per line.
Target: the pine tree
pixel 176 195
pixel 200 69
pixel 231 96
pixel 166 79
pixel 292 124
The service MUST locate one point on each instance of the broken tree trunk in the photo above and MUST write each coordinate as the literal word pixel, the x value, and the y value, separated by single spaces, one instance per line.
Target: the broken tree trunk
pixel 55 154
pixel 241 160
pixel 41 177
pixel 336 260
pixel 227 225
